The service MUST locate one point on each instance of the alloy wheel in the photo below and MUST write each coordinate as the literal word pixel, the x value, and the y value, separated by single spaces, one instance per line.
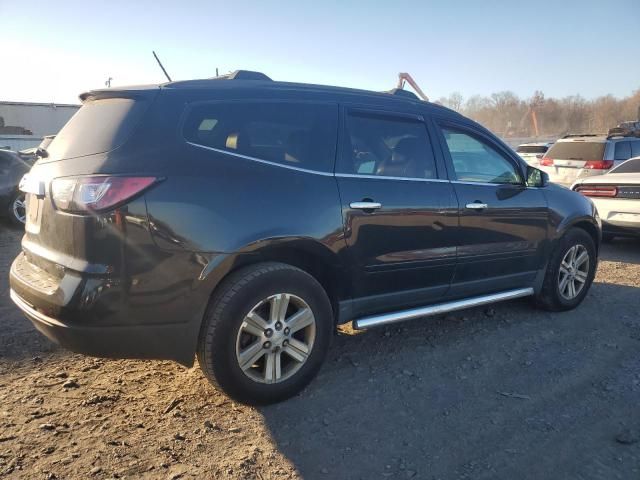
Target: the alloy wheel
pixel 275 338
pixel 19 208
pixel 574 271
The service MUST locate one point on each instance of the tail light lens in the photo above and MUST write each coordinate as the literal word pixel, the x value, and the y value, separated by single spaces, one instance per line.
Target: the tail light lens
pixel 598 164
pixel 597 191
pixel 546 161
pixel 96 193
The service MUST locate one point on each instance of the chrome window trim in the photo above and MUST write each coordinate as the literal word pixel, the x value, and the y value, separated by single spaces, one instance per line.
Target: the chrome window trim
pixel 260 160
pixel 486 184
pixel 384 177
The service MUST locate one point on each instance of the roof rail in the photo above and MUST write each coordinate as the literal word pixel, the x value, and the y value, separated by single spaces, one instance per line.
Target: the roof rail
pixel 245 75
pixel 572 135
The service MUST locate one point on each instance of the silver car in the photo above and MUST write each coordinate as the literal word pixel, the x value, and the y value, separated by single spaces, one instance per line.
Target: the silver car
pixel 574 157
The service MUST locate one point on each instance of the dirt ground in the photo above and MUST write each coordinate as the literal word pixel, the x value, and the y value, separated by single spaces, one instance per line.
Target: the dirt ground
pixel 506 392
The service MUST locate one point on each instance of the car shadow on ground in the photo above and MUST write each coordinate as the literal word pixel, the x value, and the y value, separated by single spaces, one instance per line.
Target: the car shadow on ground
pixel 625 250
pixel 504 392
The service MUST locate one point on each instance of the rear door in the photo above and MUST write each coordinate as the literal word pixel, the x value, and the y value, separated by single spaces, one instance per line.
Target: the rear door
pixel 503 223
pixel 399 210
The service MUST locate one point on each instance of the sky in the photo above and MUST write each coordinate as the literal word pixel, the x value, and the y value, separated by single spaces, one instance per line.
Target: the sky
pixel 51 51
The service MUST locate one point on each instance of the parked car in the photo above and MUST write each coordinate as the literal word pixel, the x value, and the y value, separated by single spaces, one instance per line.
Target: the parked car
pixel 532 153
pixel 617 198
pixel 12 200
pixel 574 157
pixel 240 219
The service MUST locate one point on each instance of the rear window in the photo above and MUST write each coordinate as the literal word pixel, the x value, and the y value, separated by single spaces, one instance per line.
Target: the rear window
pixel 300 135
pixel 99 126
pixel 630 166
pixel 577 151
pixel 532 149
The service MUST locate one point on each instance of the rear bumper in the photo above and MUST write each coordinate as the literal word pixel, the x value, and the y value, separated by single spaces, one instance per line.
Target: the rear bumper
pixel 622 229
pixel 100 316
pixel 150 342
pixel 567 176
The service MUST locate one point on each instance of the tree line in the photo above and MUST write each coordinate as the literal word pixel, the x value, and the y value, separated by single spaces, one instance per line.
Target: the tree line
pixel 510 116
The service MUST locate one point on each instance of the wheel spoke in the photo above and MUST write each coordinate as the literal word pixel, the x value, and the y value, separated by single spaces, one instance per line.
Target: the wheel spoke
pixel 563 283
pixel 301 319
pixel 279 305
pixel 581 276
pixel 297 350
pixel 272 370
pixel 251 355
pixel 572 255
pixel 254 324
pixel 572 288
pixel 582 258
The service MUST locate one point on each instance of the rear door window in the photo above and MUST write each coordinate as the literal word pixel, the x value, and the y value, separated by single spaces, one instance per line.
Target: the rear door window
pixel 99 126
pixel 299 135
pixel 577 151
pixel 622 151
pixel 387 146
pixel 630 166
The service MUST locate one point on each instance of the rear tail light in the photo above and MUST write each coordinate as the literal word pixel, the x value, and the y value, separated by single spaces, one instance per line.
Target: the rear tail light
pixel 597 191
pixel 598 164
pixel 546 161
pixel 96 193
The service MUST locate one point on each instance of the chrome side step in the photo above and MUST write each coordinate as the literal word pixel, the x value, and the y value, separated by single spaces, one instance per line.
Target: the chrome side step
pixel 438 308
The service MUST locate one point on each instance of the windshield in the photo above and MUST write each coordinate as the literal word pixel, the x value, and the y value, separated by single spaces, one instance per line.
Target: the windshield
pixel 577 151
pixel 99 126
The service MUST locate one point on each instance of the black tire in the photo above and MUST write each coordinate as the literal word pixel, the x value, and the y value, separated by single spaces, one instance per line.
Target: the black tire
pixel 230 304
pixel 549 297
pixel 10 211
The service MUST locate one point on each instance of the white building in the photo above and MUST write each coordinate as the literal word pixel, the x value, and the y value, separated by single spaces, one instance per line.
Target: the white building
pixel 23 124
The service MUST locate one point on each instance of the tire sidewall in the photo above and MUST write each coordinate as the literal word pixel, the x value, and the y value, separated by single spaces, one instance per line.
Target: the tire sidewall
pixel 221 351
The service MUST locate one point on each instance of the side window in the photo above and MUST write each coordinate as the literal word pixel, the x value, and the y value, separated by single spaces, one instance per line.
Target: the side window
pixel 476 161
pixel 635 148
pixel 387 146
pixel 296 134
pixel 622 151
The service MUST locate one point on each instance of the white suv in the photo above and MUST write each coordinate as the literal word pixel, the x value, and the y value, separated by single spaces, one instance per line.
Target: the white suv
pixel 577 156
pixel 533 152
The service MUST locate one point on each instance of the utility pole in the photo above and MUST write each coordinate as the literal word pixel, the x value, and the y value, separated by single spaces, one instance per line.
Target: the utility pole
pixel 108 82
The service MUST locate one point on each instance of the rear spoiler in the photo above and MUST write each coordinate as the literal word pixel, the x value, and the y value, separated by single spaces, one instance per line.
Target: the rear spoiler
pixel 143 91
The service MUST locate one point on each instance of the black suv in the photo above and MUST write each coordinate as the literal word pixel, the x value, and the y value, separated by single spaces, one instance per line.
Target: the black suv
pixel 240 219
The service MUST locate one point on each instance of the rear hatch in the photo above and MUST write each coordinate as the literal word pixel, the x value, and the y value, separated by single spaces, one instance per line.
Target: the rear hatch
pixel 565 159
pixel 93 143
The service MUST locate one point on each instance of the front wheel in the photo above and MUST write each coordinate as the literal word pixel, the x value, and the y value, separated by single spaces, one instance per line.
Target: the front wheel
pixel 266 333
pixel 570 272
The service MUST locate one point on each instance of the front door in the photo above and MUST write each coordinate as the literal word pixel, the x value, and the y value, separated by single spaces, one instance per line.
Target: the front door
pixel 399 211
pixel 503 222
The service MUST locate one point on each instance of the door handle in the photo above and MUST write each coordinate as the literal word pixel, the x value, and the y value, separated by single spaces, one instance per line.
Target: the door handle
pixel 477 206
pixel 365 205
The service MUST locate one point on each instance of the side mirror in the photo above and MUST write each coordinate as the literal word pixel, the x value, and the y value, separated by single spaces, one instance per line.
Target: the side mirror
pixel 536 177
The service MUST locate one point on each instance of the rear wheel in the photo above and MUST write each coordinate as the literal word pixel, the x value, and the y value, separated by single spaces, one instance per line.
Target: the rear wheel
pixel 266 333
pixel 17 209
pixel 570 272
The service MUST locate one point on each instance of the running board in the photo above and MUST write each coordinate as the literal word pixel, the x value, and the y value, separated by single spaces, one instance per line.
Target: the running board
pixel 437 309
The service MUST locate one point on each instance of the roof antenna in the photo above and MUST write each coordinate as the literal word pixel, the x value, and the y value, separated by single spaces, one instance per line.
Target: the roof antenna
pixel 160 63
